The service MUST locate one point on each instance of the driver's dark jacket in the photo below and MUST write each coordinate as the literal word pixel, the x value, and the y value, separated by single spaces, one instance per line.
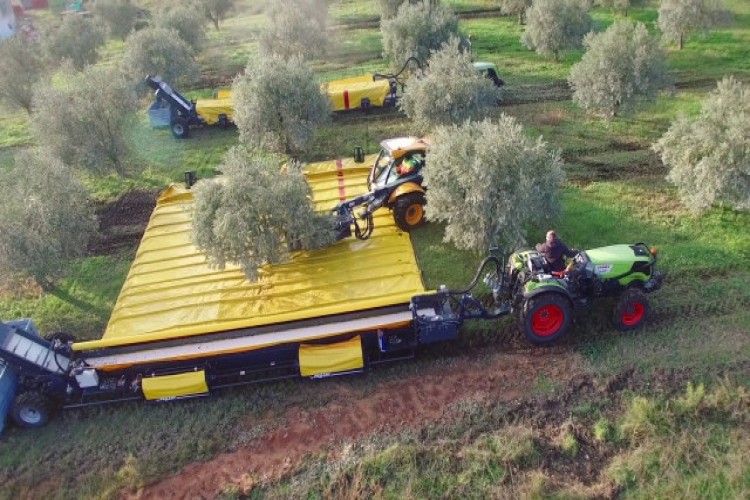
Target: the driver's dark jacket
pixel 553 252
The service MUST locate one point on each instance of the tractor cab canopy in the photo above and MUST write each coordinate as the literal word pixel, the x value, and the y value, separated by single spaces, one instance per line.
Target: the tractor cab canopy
pixel 489 70
pixel 399 157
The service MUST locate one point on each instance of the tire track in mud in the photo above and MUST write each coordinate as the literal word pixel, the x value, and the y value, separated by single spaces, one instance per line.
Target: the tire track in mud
pixel 352 414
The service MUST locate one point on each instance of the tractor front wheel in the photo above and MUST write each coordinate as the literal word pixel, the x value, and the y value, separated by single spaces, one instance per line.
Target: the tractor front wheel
pixel 180 128
pixel 546 318
pixel 631 310
pixel 31 410
pixel 408 211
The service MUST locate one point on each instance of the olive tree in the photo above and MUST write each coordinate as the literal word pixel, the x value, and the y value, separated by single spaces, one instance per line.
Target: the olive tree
pixel 515 8
pixel 389 8
pixel 297 28
pixel 84 122
pixel 556 25
pixel 118 15
pixel 488 182
pixel 256 214
pixel 278 104
pixel 22 68
pixel 620 66
pixel 215 10
pixel 416 30
pixel 160 51
pixel 45 218
pixel 680 18
pixel 186 21
pixel 450 91
pixel 708 156
pixel 77 39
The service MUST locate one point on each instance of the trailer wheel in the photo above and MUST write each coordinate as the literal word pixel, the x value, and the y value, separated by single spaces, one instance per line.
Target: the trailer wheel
pixel 546 318
pixel 31 410
pixel 180 128
pixel 408 211
pixel 223 122
pixel 631 310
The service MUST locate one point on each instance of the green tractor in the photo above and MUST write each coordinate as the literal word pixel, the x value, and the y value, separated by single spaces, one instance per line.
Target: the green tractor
pixel 544 300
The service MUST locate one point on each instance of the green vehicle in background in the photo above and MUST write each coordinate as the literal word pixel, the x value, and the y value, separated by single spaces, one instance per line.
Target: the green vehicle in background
pixel 544 300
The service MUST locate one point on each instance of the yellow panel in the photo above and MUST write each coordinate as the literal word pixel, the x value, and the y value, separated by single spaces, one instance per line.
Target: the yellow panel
pixel 171 292
pixel 224 94
pixel 210 109
pixel 348 93
pixel 174 386
pixel 332 358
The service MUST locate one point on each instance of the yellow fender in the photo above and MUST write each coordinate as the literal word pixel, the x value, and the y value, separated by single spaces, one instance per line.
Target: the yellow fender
pixel 405 188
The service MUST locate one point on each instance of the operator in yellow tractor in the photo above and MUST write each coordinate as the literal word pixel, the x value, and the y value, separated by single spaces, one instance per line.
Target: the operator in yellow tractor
pixel 409 164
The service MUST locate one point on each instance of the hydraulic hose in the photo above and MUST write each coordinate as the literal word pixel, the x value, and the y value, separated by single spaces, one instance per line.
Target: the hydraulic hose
pixel 490 258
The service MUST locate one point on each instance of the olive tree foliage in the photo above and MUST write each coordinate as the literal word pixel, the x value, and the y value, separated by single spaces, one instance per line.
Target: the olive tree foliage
pixel 708 157
pixel 450 91
pixel 160 51
pixel 515 8
pixel 389 8
pixel 119 16
pixel 187 21
pixel 256 214
pixel 488 182
pixel 22 67
pixel 416 30
pixel 278 104
pixel 215 10
pixel 45 218
pixel 297 28
pixel 85 121
pixel 622 65
pixel 680 18
pixel 77 39
pixel 556 25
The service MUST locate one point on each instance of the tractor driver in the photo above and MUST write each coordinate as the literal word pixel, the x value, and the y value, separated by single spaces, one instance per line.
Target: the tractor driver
pixel 555 251
pixel 409 164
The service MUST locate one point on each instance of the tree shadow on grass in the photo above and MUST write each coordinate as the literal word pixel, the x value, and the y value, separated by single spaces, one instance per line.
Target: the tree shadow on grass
pixel 99 312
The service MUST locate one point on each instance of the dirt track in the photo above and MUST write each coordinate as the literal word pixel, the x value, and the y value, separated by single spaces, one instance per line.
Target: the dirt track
pixel 350 415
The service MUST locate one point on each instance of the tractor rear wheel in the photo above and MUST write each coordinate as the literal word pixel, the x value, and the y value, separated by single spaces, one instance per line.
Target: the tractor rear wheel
pixel 631 310
pixel 31 410
pixel 546 318
pixel 180 128
pixel 408 211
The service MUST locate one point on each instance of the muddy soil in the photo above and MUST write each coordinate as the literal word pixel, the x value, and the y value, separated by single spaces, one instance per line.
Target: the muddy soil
pixel 122 223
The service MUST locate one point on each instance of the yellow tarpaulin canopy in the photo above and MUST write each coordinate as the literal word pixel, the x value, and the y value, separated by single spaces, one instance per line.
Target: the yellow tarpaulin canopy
pixel 320 360
pixel 211 109
pixel 174 386
pixel 171 292
pixel 349 92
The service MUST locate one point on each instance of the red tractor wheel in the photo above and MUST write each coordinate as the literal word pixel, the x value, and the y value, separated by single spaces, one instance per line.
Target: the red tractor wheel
pixel 408 211
pixel 546 318
pixel 631 310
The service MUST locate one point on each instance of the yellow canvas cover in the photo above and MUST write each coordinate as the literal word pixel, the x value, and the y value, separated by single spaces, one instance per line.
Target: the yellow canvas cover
pixel 171 292
pixel 174 386
pixel 349 92
pixel 321 360
pixel 211 109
